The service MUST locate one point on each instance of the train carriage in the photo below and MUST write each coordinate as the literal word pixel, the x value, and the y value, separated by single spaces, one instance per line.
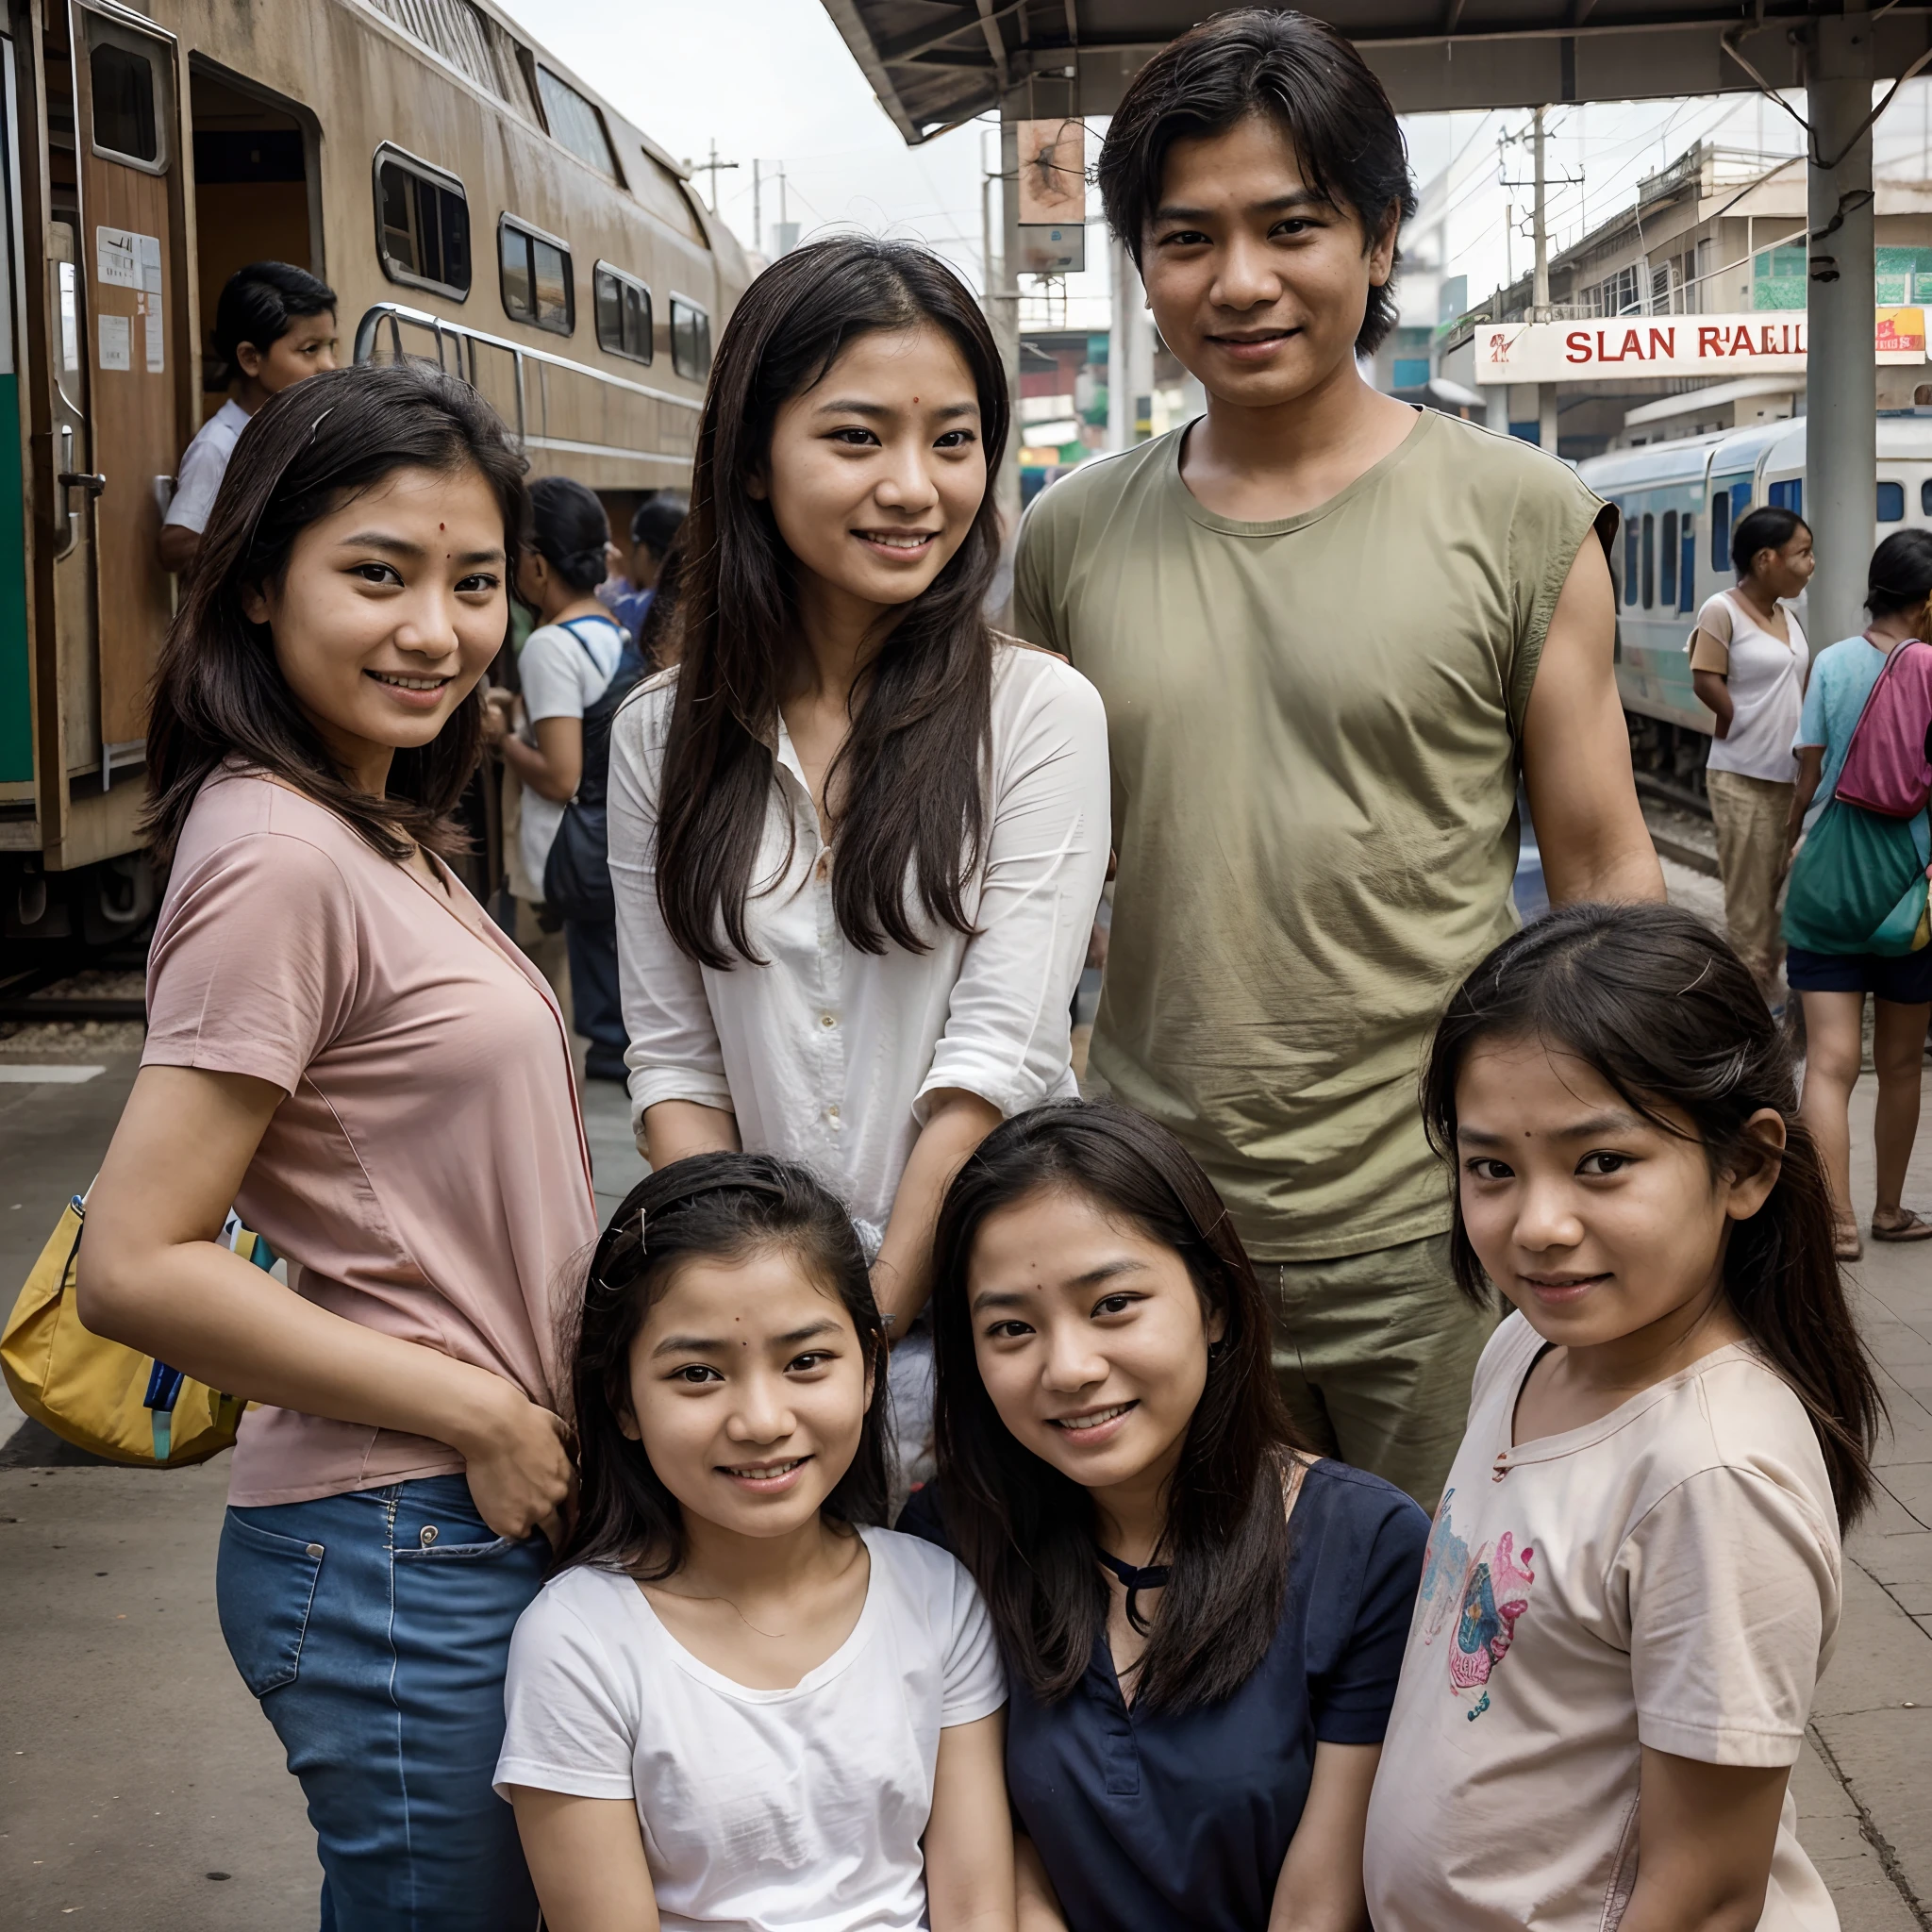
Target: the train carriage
pixel 469 198
pixel 1680 501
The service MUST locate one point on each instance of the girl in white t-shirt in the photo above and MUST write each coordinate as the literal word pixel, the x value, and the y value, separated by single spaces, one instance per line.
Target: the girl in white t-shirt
pixel 1633 1580
pixel 739 1701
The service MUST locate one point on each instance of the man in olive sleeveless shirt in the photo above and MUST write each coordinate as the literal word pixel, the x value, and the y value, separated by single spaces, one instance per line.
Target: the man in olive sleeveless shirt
pixel 1332 633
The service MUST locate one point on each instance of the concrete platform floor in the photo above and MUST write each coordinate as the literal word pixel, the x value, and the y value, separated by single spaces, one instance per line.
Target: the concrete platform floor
pixel 141 1788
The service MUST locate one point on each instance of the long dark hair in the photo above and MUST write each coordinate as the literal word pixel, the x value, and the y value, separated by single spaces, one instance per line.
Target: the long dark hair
pixel 1024 1530
pixel 1666 1014
pixel 714 1205
pixel 219 692
pixel 911 772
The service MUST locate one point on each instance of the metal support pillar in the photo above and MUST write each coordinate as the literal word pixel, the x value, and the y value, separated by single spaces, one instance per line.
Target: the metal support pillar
pixel 1546 416
pixel 1006 317
pixel 1840 430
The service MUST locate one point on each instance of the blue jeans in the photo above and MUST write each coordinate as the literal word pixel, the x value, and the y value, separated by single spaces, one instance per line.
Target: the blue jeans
pixel 374 1628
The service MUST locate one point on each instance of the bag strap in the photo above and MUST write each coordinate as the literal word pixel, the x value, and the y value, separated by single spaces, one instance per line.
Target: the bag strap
pixel 570 624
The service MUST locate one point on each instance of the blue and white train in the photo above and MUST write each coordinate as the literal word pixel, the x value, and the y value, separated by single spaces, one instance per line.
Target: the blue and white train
pixel 1680 500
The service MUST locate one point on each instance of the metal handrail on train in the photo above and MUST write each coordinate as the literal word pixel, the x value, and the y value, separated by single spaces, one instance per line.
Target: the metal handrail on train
pixel 398 313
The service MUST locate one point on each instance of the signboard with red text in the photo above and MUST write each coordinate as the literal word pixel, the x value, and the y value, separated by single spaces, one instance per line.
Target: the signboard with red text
pixel 1716 348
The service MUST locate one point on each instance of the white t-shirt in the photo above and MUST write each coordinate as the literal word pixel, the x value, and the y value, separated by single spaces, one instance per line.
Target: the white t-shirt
pixel 800 1809
pixel 204 463
pixel 563 672
pixel 1765 678
pixel 1668 1577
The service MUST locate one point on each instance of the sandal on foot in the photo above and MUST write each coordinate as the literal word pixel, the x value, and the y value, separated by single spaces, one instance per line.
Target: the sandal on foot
pixel 1845 1243
pixel 1908 1227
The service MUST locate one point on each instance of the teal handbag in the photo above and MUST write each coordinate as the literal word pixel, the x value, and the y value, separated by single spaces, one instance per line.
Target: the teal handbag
pixel 1858 886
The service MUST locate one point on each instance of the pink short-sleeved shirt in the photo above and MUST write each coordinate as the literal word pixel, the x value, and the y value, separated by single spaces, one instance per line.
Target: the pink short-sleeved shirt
pixel 427 1175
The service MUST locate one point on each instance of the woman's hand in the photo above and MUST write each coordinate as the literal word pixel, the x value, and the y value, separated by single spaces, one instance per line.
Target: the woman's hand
pixel 519 1467
pixel 498 706
pixel 154 1275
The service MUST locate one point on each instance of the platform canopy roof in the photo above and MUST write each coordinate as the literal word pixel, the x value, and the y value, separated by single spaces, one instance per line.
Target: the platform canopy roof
pixel 933 63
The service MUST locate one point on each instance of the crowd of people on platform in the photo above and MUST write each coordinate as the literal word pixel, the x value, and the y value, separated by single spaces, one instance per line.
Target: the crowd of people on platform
pixel 935 1499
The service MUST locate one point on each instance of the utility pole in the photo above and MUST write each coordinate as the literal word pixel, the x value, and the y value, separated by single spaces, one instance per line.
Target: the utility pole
pixel 1540 287
pixel 1540 293
pixel 714 167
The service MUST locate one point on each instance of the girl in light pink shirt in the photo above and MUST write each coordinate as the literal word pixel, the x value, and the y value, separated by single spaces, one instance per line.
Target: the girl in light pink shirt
pixel 1633 1580
pixel 342 1043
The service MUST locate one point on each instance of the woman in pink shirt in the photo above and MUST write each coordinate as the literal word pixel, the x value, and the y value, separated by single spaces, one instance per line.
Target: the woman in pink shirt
pixel 342 1043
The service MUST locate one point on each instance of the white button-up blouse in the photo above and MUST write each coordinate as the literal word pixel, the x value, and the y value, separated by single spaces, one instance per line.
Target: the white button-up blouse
pixel 825 1054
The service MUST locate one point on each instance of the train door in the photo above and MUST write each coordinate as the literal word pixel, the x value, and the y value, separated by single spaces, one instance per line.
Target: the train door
pixel 16 646
pixel 254 196
pixel 128 142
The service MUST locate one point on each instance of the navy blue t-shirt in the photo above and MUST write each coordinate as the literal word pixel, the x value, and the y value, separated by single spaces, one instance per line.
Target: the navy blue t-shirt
pixel 1156 1823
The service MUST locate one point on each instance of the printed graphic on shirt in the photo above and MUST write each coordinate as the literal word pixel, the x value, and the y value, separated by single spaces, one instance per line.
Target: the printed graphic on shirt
pixel 1482 1594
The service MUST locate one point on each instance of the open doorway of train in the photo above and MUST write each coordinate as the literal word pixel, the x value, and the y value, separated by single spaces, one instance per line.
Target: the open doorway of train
pixel 256 196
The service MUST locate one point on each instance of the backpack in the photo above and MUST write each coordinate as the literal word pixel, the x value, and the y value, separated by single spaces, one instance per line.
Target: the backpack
pixel 101 1395
pixel 1888 767
pixel 576 875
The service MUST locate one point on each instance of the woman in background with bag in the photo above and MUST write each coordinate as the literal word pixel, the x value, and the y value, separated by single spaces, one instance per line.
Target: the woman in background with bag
pixel 579 657
pixel 1855 913
pixel 342 1044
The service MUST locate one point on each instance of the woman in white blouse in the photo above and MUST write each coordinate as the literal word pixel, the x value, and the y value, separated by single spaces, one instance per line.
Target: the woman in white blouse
pixel 857 838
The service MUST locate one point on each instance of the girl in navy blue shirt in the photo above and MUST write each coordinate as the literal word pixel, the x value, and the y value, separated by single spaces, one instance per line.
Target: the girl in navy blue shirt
pixel 1202 1622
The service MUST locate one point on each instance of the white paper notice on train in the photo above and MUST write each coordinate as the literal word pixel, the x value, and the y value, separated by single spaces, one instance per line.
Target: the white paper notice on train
pixel 1615 348
pixel 116 343
pixel 125 260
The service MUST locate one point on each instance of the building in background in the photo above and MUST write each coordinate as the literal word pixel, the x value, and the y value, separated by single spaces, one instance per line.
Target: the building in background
pixel 1719 231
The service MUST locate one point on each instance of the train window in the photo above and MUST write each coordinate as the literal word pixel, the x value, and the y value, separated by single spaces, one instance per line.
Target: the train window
pixel 537 285
pixel 1788 495
pixel 1649 560
pixel 1631 560
pixel 623 314
pixel 1892 503
pixel 1721 532
pixel 125 120
pixel 1668 561
pixel 1686 563
pixel 422 225
pixel 1925 499
pixel 690 339
pixel 576 124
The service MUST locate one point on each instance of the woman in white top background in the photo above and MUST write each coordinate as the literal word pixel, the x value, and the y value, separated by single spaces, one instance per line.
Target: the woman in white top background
pixel 566 665
pixel 1748 665
pixel 856 840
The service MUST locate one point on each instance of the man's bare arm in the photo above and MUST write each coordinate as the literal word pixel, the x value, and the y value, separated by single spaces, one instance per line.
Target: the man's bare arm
pixel 1576 752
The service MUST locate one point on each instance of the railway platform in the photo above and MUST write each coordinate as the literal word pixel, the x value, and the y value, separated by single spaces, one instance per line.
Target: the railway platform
pixel 141 1788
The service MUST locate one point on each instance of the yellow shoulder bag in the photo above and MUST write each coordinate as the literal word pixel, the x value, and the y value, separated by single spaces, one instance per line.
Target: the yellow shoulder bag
pixel 100 1395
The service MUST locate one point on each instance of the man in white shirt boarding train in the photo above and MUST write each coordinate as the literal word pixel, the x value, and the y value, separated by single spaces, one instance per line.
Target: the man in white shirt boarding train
pixel 856 840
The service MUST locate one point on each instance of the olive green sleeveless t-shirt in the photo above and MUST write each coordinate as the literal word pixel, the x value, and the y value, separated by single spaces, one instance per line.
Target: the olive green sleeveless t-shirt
pixel 1314 728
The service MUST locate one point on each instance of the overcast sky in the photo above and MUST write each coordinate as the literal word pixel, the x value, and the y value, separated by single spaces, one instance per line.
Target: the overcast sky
pixel 771 81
